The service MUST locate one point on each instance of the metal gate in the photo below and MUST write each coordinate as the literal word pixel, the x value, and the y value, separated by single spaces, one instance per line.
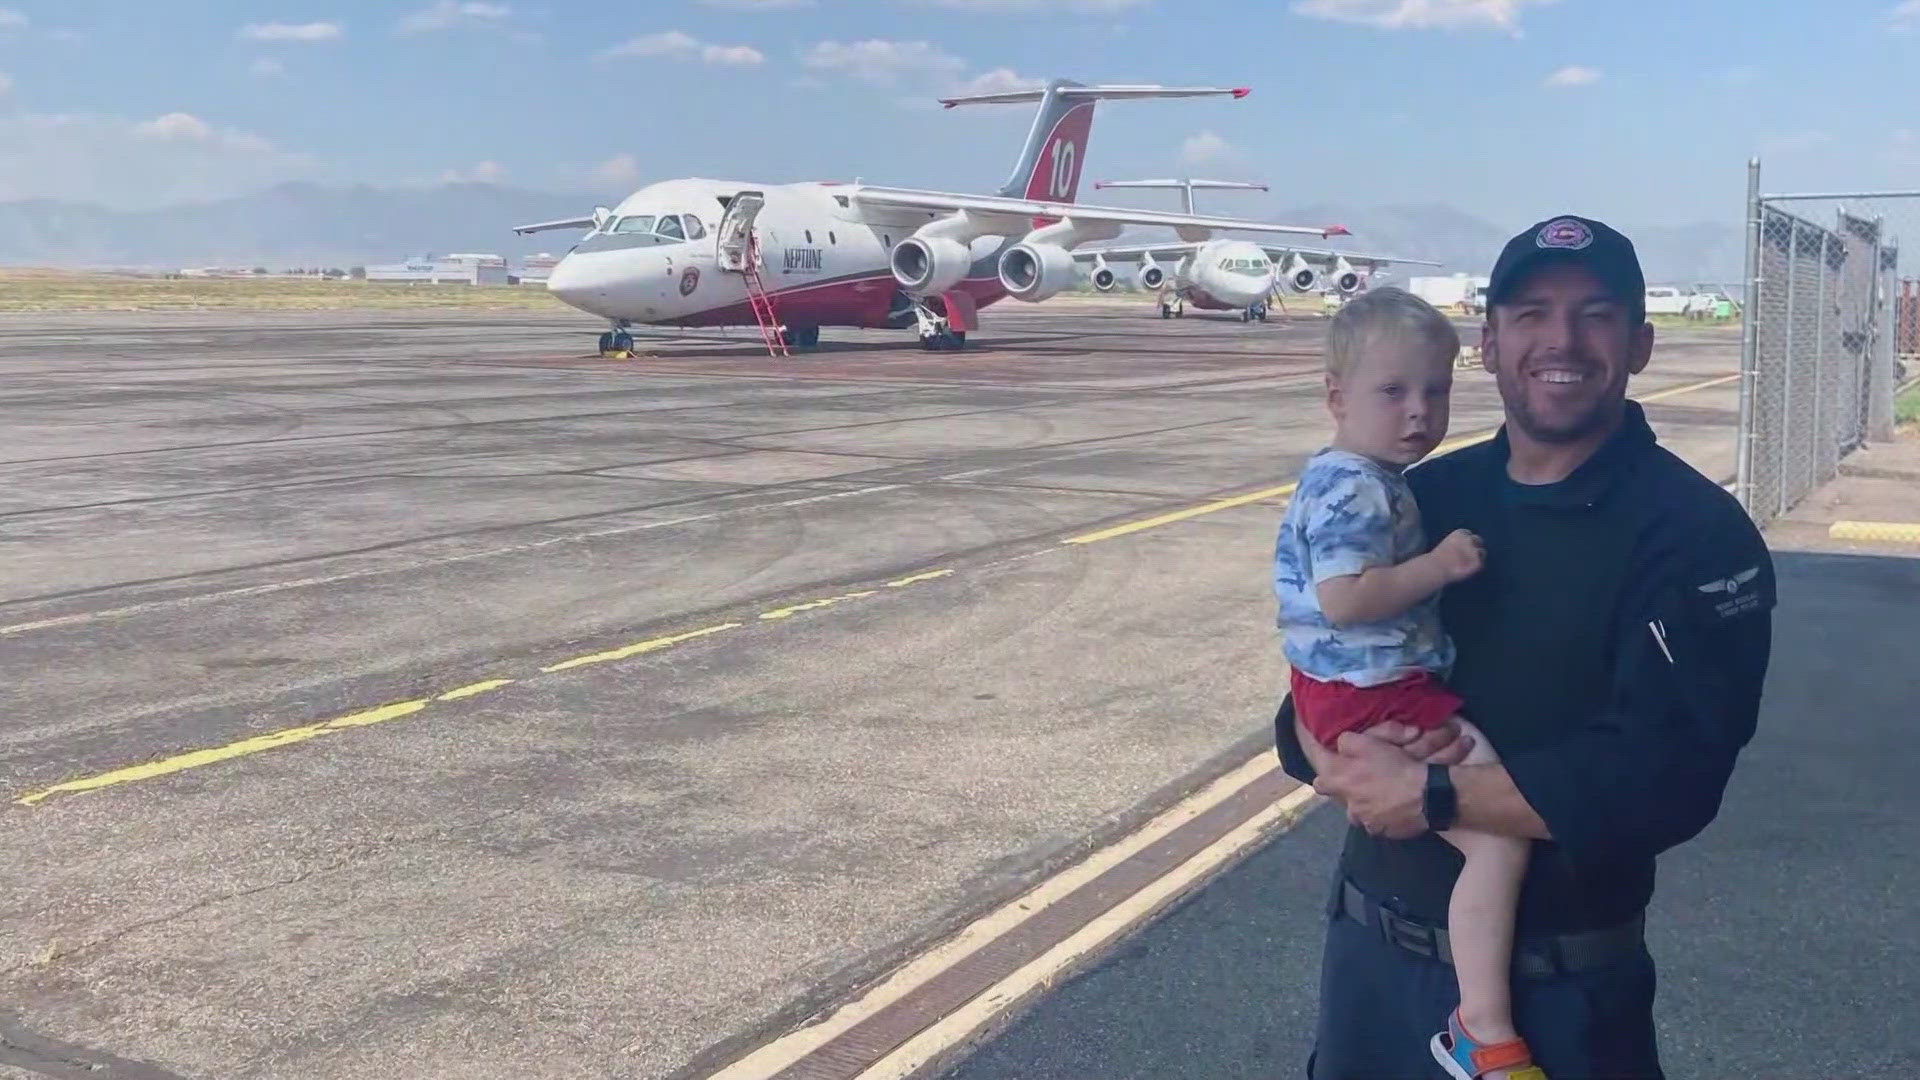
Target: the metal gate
pixel 1818 351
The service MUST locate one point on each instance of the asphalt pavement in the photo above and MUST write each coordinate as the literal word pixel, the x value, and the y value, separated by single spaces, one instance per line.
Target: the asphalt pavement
pixel 1785 936
pixel 422 688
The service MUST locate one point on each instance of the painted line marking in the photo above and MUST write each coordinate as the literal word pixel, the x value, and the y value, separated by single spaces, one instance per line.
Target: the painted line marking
pixel 953 1030
pixel 476 688
pixel 637 648
pixel 917 578
pixel 197 758
pixel 1897 532
pixel 289 736
pixel 773 1057
pixel 1288 489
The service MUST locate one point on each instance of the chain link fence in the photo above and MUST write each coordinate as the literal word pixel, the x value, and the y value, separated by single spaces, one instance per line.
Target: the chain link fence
pixel 1830 326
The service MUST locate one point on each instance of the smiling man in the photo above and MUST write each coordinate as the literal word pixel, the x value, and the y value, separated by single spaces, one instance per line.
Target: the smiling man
pixel 1612 650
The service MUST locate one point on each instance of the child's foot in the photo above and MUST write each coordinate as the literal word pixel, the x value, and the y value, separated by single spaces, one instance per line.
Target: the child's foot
pixel 1466 1059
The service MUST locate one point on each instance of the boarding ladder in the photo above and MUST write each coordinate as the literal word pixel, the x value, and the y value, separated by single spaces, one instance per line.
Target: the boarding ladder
pixel 739 253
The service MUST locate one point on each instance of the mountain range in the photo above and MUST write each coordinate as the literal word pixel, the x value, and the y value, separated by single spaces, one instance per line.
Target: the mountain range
pixel 304 224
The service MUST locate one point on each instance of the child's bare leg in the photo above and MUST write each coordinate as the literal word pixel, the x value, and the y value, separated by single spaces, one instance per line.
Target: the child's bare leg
pixel 1480 918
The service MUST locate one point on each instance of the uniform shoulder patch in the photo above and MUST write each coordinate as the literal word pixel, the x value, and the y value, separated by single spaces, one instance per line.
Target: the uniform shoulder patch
pixel 1735 594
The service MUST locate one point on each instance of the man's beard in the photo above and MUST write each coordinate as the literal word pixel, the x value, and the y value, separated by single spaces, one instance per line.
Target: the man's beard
pixel 1604 411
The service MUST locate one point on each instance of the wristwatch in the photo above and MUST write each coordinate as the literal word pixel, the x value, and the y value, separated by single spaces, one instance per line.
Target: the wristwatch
pixel 1441 803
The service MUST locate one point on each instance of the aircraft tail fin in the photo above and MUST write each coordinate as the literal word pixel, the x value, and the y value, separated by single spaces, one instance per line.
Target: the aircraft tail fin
pixel 1056 148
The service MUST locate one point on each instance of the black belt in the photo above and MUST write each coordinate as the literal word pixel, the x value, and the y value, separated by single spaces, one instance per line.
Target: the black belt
pixel 1534 958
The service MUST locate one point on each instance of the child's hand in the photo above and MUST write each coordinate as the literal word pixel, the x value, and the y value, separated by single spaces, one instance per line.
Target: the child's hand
pixel 1460 555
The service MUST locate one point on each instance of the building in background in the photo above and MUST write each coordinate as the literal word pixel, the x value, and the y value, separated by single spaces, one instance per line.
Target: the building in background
pixel 536 269
pixel 464 268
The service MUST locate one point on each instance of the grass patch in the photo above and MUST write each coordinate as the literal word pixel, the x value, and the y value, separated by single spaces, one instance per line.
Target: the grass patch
pixel 32 290
pixel 1906 407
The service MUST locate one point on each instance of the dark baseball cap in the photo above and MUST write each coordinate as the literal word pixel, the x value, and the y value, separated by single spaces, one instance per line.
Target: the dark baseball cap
pixel 1567 238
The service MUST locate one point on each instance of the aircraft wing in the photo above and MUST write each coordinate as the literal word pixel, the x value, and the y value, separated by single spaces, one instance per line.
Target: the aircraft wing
pixel 1135 252
pixel 1354 258
pixel 543 226
pixel 1015 216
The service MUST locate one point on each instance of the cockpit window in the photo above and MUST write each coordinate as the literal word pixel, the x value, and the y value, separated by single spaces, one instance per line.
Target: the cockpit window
pixel 637 223
pixel 695 230
pixel 669 227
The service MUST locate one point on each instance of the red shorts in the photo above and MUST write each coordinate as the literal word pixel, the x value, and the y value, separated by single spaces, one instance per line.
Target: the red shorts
pixel 1330 708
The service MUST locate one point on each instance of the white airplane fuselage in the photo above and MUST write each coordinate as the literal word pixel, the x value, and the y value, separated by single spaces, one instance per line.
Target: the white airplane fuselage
pixel 825 262
pixel 1224 275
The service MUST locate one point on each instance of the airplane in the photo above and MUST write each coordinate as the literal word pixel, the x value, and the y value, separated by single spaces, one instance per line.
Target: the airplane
pixel 1226 274
pixel 792 258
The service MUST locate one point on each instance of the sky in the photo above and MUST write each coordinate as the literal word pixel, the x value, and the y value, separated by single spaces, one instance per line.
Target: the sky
pixel 1511 110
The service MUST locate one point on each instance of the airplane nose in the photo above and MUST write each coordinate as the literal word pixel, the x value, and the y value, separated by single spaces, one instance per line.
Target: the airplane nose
pixel 569 283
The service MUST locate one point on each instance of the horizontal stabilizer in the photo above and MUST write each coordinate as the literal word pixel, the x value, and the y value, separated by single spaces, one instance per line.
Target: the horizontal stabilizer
pixel 1097 93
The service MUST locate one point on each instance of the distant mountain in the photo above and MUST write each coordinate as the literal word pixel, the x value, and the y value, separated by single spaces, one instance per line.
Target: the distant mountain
pixel 289 225
pixel 304 224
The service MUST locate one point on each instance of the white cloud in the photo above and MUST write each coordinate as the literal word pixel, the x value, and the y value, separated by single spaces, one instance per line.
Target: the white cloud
pixel 1420 14
pixel 451 14
pixel 11 19
pixel 757 5
pixel 1574 75
pixel 1206 148
pixel 486 172
pixel 136 164
pixel 309 32
pixel 1029 7
pixel 677 45
pixel 1905 13
pixel 619 171
pixel 884 62
pixel 266 68
pixel 997 81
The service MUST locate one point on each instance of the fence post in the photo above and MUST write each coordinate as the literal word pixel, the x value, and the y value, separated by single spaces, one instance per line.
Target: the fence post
pixel 1781 501
pixel 1749 343
pixel 1817 460
pixel 1879 354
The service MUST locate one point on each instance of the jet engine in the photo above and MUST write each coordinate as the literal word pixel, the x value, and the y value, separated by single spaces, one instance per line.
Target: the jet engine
pixel 1034 272
pixel 1103 278
pixel 928 265
pixel 1298 276
pixel 1151 275
pixel 1345 278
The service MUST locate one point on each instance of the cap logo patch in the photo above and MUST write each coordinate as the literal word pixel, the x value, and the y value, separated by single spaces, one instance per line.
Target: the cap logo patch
pixel 1564 233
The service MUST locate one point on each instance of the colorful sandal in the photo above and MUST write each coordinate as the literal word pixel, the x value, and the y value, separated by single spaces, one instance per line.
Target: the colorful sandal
pixel 1465 1059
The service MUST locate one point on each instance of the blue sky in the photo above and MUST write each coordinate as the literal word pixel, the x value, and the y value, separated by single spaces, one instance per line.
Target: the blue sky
pixel 1640 111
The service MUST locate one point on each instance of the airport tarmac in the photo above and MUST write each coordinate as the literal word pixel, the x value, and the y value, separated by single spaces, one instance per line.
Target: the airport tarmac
pixel 419 694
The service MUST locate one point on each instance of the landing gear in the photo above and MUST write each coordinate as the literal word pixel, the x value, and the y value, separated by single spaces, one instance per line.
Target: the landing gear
pixel 1256 311
pixel 1172 307
pixel 936 334
pixel 801 338
pixel 616 344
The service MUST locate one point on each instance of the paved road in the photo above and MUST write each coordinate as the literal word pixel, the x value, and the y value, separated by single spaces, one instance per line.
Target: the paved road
pixel 467 701
pixel 1784 934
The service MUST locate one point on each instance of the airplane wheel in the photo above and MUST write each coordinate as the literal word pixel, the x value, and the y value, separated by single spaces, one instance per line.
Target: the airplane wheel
pixel 1166 314
pixel 622 341
pixel 606 342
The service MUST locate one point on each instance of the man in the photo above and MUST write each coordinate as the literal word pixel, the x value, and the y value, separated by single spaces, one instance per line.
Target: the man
pixel 1612 650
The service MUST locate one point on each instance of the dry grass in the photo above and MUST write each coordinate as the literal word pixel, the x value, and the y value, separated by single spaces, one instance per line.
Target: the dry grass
pixel 54 290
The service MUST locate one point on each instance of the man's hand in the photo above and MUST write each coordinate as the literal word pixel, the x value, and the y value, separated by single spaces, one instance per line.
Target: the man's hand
pixel 1381 785
pixel 1444 745
pixel 1460 555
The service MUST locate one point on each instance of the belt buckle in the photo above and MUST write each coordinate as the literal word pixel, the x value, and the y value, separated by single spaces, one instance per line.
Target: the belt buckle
pixel 1408 935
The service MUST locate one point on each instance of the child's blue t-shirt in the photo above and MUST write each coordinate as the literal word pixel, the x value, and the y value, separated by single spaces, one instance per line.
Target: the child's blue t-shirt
pixel 1349 513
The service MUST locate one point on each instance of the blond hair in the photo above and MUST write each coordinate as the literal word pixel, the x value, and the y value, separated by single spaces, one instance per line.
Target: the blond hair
pixel 1360 323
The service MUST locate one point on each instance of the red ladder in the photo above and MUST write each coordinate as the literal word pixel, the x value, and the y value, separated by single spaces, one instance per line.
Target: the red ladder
pixel 762 302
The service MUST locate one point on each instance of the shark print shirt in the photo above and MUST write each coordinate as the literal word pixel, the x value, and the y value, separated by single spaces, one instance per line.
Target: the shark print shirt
pixel 1347 514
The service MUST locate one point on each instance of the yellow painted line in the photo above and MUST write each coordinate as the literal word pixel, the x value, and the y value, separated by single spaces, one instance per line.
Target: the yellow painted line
pixel 813 605
pixel 289 736
pixel 476 688
pixel 773 1057
pixel 254 745
pixel 917 578
pixel 1893 532
pixel 636 649
pixel 1287 489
